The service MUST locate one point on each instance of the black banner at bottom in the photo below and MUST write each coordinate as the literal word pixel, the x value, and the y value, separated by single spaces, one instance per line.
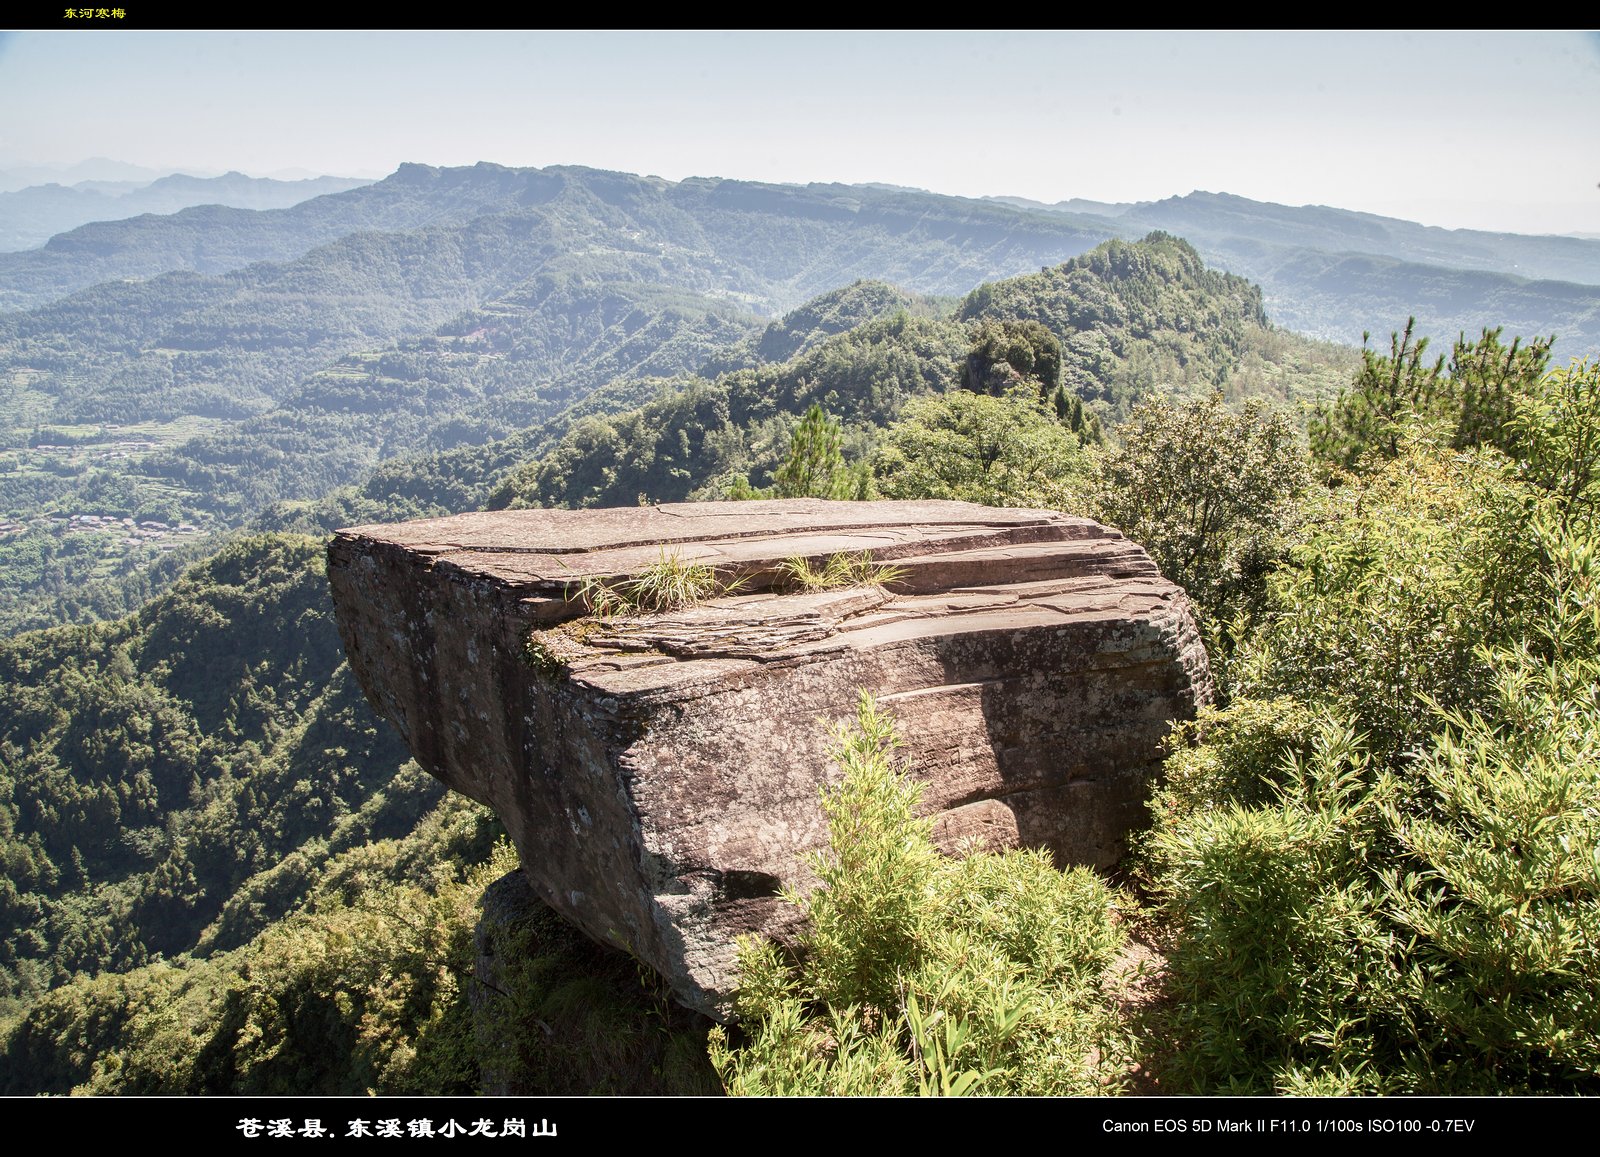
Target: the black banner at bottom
pixel 332 1125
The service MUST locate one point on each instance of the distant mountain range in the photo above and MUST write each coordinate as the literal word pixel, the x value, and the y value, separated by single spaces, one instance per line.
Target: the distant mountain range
pixel 20 174
pixel 1326 272
pixel 1210 217
pixel 31 216
pixel 809 248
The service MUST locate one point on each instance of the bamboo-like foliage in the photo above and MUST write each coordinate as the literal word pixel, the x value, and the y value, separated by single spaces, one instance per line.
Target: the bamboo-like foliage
pixel 1385 880
pixel 922 975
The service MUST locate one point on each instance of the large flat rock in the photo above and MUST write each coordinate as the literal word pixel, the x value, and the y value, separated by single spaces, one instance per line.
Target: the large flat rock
pixel 660 774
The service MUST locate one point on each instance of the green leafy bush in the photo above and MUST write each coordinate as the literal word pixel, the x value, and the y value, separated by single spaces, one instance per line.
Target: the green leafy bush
pixel 1232 755
pixel 1432 932
pixel 1211 491
pixel 919 974
pixel 1555 431
pixel 1397 582
pixel 1385 879
pixel 1004 451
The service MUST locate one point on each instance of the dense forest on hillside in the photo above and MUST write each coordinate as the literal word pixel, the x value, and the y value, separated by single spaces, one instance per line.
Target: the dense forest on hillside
pixel 1117 323
pixel 224 875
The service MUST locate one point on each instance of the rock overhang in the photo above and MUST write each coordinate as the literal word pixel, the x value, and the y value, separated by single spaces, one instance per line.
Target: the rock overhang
pixel 661 774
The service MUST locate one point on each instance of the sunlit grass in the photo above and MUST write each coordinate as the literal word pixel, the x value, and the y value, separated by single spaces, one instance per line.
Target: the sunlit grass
pixel 671 583
pixel 840 570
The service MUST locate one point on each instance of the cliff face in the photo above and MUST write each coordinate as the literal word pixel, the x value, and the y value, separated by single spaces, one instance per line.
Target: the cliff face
pixel 660 774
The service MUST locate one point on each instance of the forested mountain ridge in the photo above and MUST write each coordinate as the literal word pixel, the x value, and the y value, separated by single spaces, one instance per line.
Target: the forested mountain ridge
pixel 217 239
pixel 1334 273
pixel 1134 316
pixel 1125 320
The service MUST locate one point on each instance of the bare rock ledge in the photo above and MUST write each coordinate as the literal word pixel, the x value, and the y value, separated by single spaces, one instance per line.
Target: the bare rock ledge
pixel 660 775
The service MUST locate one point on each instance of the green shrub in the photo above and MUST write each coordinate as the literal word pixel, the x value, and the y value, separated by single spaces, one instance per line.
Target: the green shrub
pixel 1399 579
pixel 1211 491
pixel 1422 921
pixel 1004 451
pixel 918 974
pixel 1278 955
pixel 1232 755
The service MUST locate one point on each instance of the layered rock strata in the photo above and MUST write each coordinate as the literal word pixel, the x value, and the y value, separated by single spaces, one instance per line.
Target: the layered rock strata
pixel 660 773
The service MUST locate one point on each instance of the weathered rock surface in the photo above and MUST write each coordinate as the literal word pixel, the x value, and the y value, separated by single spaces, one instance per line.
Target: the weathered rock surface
pixel 660 775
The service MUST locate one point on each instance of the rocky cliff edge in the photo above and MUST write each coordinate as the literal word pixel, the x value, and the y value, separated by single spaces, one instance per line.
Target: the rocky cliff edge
pixel 660 773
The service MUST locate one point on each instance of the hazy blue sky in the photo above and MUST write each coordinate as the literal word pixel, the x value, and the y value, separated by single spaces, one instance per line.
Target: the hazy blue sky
pixel 1480 129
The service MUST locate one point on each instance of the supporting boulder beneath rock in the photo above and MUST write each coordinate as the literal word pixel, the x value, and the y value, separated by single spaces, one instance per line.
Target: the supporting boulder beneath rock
pixel 660 773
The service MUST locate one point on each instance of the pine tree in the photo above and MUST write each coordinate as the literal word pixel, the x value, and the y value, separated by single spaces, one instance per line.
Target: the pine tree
pixel 815 466
pixel 1387 394
pixel 1487 379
